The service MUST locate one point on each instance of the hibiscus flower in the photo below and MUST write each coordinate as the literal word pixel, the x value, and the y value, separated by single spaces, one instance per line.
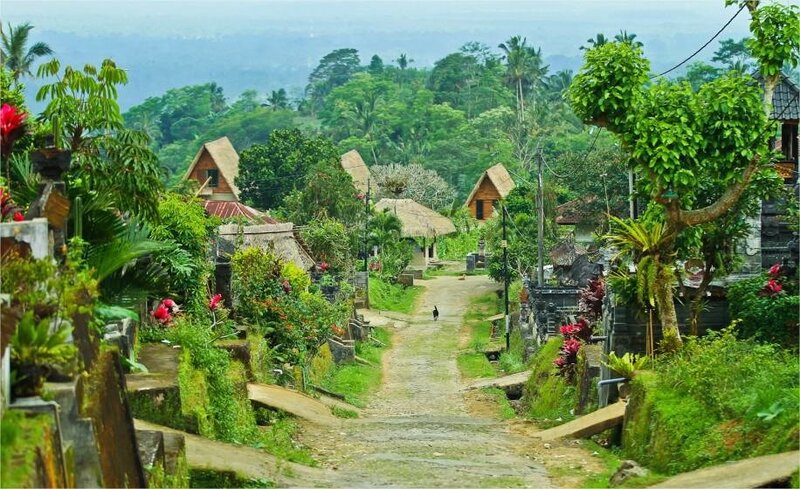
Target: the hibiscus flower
pixel 214 302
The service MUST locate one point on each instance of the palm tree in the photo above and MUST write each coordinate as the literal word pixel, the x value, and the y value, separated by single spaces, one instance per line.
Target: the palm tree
pixel 385 229
pixel 626 38
pixel 13 52
pixel 524 67
pixel 403 61
pixel 558 83
pixel 278 99
pixel 598 40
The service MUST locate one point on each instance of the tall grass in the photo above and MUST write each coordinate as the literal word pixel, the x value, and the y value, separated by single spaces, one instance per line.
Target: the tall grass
pixel 385 296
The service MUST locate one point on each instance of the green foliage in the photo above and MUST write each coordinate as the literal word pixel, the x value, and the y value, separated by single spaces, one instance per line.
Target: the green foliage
pixel 547 395
pixel 457 246
pixel 107 158
pixel 627 365
pixel 499 396
pixel 329 242
pixel 770 318
pixel 327 191
pixel 212 478
pixel 277 433
pixel 187 231
pixel 706 404
pixel 386 296
pixel 213 388
pixel 333 70
pixel 17 57
pixel 34 343
pixel 269 172
pixel 609 85
pixel 343 413
pixel 357 381
pixel 294 322
pixel 21 436
pixel 296 276
pixel 776 37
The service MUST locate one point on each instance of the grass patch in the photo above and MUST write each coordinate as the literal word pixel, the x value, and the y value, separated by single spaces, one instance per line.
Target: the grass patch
pixel 499 396
pixel 22 436
pixel 612 460
pixel 356 382
pixel 277 437
pixel 344 413
pixel 385 296
pixel 511 361
pixel 475 365
pixel 549 399
pixel 213 478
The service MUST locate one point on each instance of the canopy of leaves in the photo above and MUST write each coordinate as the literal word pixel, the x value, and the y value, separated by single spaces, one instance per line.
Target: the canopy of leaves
pixel 269 172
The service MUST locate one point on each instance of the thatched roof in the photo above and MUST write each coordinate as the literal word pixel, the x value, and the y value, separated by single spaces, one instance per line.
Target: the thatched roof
pixel 225 157
pixel 280 237
pixel 499 177
pixel 354 165
pixel 417 220
pixel 574 212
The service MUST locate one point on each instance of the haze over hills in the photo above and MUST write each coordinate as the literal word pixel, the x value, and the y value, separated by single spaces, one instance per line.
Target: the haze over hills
pixel 265 45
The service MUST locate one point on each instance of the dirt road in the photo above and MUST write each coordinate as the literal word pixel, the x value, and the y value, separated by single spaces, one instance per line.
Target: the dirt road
pixel 417 431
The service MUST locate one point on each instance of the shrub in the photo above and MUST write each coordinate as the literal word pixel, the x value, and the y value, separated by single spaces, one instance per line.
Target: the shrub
pixel 764 314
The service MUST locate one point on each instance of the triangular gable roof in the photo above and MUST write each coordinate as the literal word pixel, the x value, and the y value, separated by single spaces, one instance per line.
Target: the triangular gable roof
pixel 354 165
pixel 281 238
pixel 225 157
pixel 226 209
pixel 785 99
pixel 417 220
pixel 499 177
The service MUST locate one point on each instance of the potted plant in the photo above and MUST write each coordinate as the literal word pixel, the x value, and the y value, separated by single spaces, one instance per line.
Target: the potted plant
pixel 36 349
pixel 626 366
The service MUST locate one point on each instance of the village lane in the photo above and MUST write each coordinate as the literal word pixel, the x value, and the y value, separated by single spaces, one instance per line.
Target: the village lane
pixel 418 431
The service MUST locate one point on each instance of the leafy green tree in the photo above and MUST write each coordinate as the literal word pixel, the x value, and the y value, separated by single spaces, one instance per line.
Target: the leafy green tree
pixel 269 172
pixel 624 37
pixel 107 158
pixel 598 40
pixel 733 55
pixel 375 65
pixel 700 73
pixel 326 191
pixel 384 229
pixel 333 70
pixel 329 241
pixel 680 140
pixel 15 53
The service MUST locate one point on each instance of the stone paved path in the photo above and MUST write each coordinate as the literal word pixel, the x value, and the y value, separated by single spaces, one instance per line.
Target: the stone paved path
pixel 417 432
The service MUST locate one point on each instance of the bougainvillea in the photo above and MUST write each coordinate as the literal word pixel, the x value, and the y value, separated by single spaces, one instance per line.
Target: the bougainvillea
pixel 574 336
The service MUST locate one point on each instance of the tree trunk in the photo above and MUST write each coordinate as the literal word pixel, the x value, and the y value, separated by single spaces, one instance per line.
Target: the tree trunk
pixel 665 302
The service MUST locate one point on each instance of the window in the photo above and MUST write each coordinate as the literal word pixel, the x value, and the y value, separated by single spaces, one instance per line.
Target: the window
pixel 789 141
pixel 213 178
pixel 479 210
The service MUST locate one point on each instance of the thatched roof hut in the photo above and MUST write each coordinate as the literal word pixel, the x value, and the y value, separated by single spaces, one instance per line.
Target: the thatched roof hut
pixel 215 168
pixel 226 210
pixel 281 238
pixel 418 220
pixel 495 184
pixel 354 165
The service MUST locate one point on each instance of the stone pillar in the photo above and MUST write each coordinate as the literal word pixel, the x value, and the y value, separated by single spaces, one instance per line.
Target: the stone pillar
pixel 750 247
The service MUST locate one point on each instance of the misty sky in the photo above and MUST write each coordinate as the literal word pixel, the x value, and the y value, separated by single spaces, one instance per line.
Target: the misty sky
pixel 265 45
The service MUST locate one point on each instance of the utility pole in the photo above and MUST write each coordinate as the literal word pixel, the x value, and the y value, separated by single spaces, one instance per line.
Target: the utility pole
pixel 366 241
pixel 540 210
pixel 506 278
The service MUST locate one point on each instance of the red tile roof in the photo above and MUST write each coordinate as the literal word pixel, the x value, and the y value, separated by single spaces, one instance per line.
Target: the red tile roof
pixel 227 209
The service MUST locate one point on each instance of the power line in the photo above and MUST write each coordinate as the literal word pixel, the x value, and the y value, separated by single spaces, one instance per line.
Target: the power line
pixel 744 4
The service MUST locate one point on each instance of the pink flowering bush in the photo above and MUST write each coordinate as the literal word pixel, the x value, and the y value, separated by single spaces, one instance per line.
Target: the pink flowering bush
pixel 766 306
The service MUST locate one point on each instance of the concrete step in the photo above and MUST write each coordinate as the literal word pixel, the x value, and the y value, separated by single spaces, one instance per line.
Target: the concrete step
pixel 588 425
pixel 293 402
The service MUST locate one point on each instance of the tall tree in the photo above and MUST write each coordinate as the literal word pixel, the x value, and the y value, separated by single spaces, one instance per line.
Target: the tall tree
pixel 268 172
pixel 525 68
pixel 598 40
pixel 733 55
pixel 681 141
pixel 333 70
pixel 625 37
pixel 15 53
pixel 278 99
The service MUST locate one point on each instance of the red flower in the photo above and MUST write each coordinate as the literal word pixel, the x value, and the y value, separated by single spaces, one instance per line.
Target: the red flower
pixel 571 347
pixel 559 362
pixel 18 216
pixel 774 270
pixel 168 303
pixel 162 314
pixel 324 266
pixel 773 287
pixel 10 120
pixel 214 302
pixel 570 329
pixel 287 287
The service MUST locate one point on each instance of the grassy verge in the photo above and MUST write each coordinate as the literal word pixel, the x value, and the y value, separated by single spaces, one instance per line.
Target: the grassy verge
pixel 472 362
pixel 277 437
pixel 357 381
pixel 549 398
pixel 504 407
pixel 392 297
pixel 611 459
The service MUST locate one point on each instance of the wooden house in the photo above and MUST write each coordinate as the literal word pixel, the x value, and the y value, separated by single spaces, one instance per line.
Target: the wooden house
pixel 493 185
pixel 419 224
pixel 215 168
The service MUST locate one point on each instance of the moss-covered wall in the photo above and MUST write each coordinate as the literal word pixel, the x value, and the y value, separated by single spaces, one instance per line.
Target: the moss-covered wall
pixel 105 401
pixel 28 451
pixel 547 395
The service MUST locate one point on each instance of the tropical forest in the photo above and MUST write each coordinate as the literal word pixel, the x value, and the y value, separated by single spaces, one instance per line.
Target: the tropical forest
pixel 516 262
